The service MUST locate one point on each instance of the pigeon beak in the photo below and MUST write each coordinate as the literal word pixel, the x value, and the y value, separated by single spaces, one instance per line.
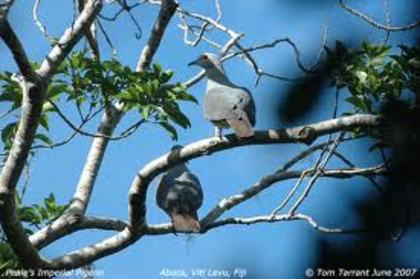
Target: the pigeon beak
pixel 195 62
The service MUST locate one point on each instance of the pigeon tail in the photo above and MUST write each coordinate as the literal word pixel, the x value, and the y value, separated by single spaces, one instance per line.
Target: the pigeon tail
pixel 241 126
pixel 186 222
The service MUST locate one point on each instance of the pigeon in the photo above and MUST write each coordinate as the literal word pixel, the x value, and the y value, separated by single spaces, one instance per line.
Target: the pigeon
pixel 179 194
pixel 225 104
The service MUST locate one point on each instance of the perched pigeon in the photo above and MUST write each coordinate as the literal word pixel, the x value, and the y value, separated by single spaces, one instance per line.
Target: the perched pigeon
pixel 225 104
pixel 180 195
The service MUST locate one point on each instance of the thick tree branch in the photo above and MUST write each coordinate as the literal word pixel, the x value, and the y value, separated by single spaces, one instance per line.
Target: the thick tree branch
pixel 305 134
pixel 267 181
pixel 34 94
pixel 100 223
pixel 167 228
pixel 91 253
pixel 166 12
pixel 4 10
pixel 137 225
pixel 85 185
pixel 19 54
pixel 72 224
pixel 127 236
pixel 90 33
pixel 71 36
pixel 93 162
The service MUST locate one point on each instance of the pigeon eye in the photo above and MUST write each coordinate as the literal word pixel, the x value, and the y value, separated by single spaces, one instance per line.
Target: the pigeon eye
pixel 205 57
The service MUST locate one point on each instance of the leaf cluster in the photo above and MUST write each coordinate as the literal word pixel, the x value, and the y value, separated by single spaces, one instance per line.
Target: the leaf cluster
pixel 373 75
pixel 84 81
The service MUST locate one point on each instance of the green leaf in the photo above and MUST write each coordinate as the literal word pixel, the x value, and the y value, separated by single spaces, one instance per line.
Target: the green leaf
pixel 6 265
pixel 340 48
pixel 8 134
pixel 355 101
pixel 155 85
pixel 29 215
pixel 56 89
pixel 361 75
pixel 8 96
pixel 170 129
pixel 44 212
pixel 146 111
pixel 44 121
pixel 157 68
pixel 175 114
pixel 166 76
pixel 44 138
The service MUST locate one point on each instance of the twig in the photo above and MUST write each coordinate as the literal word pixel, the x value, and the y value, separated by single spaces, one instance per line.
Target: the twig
pixel 320 168
pixel 72 135
pixel 291 192
pixel 275 219
pixel 126 133
pixel 108 39
pixel 335 107
pixel 376 24
pixel 388 20
pixel 119 12
pixel 39 24
pixel 6 113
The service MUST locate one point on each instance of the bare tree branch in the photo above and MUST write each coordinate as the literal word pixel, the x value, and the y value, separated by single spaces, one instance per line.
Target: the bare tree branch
pixel 19 54
pixel 275 219
pixel 71 36
pixel 223 51
pixel 94 160
pixel 307 134
pixel 34 94
pixel 108 39
pixel 319 170
pixel 4 10
pixel 128 236
pixel 39 24
pixel 72 223
pixel 378 25
pixel 91 253
pixel 166 12
pixel 269 180
pixel 138 190
pixel 90 33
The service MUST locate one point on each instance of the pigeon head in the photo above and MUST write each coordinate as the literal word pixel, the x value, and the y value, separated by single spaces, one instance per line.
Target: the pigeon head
pixel 207 61
pixel 213 66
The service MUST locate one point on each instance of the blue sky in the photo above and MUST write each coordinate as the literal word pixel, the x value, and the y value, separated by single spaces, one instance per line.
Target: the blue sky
pixel 281 250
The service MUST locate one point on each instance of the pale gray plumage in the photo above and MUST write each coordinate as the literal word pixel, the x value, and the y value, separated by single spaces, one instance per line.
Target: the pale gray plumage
pixel 225 104
pixel 180 195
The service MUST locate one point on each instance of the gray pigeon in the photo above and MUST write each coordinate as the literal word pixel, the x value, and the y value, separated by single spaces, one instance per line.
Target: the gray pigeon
pixel 180 195
pixel 225 104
